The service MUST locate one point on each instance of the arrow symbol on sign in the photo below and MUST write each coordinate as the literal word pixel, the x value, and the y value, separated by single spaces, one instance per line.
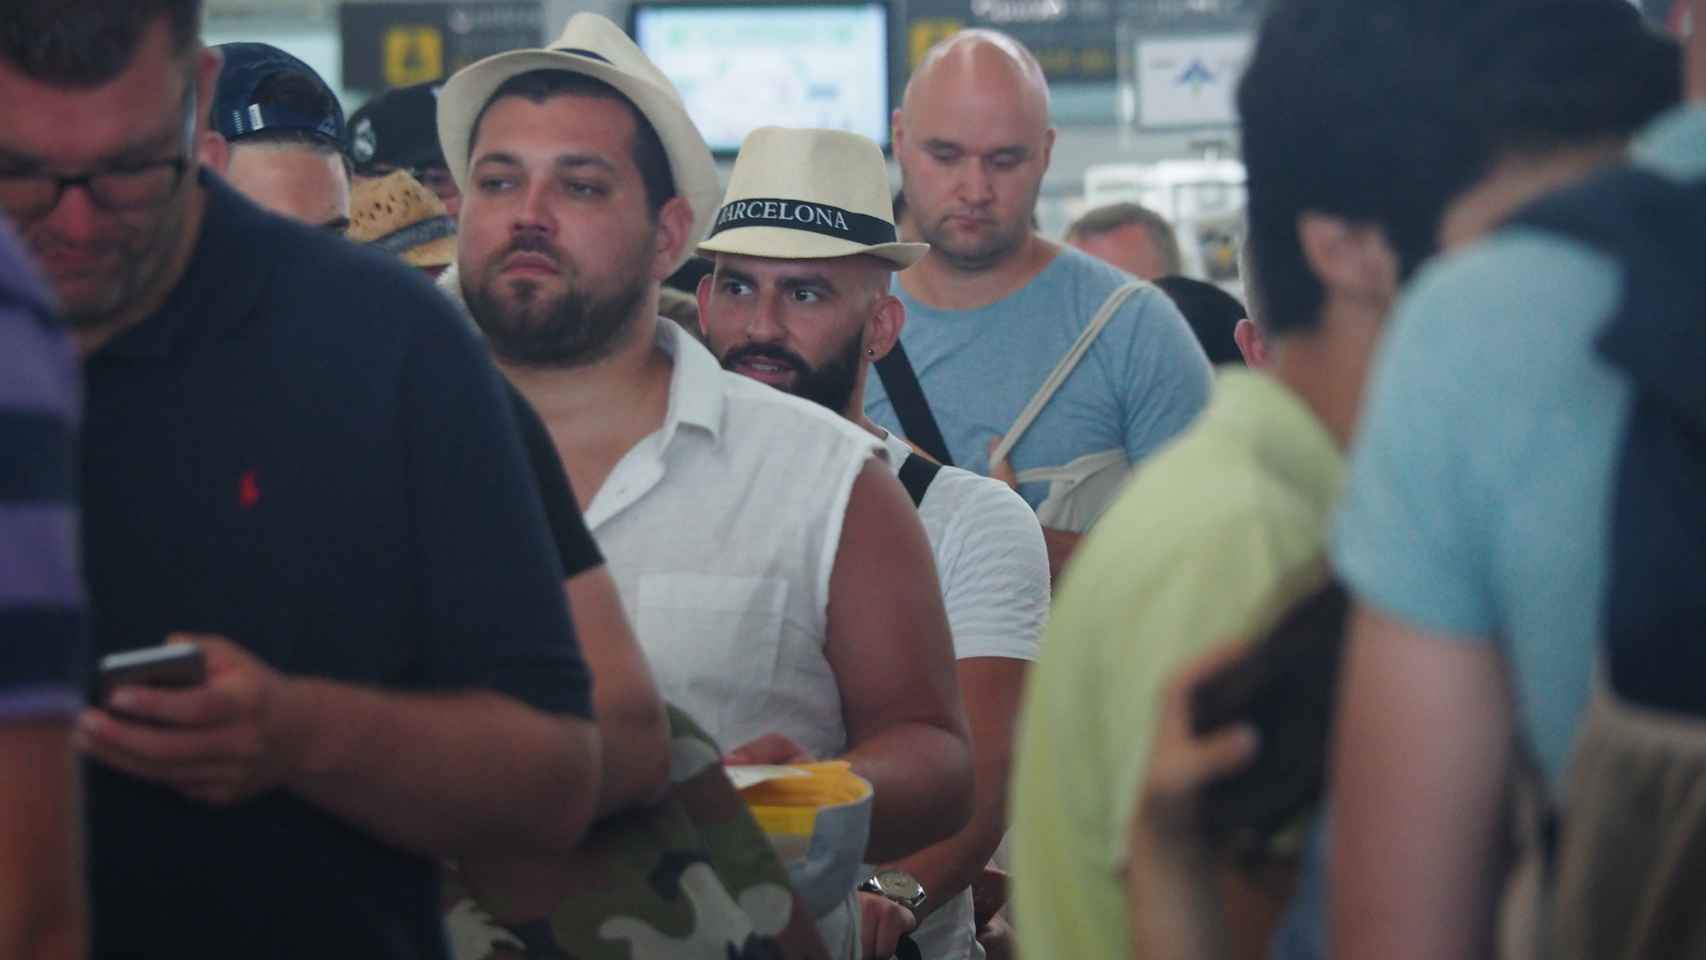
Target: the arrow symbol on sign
pixel 1196 76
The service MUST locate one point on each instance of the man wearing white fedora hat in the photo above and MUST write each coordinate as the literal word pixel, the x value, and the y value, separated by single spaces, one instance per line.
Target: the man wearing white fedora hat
pixel 773 568
pixel 805 249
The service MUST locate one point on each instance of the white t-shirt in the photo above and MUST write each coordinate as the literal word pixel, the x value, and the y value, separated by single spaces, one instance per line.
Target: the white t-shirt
pixel 990 557
pixel 993 565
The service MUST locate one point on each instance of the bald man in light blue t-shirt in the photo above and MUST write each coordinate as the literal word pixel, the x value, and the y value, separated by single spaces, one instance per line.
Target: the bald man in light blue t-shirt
pixel 995 306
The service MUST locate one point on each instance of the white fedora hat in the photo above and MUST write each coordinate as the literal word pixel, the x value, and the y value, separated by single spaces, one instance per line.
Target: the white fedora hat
pixel 809 195
pixel 593 46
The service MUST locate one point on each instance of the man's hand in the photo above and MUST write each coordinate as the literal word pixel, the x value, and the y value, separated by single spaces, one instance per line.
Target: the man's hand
pixel 1173 903
pixel 772 748
pixel 221 743
pixel 882 922
pixel 998 940
pixel 1182 763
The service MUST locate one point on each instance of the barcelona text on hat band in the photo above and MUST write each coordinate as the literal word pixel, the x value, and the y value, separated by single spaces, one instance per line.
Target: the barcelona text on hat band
pixel 819 218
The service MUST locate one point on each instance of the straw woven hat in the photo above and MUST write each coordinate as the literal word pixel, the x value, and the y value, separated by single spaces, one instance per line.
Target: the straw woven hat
pixel 397 214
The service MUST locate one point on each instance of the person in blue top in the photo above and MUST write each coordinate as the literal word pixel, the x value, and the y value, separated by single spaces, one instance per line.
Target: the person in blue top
pixel 1476 534
pixel 43 621
pixel 994 306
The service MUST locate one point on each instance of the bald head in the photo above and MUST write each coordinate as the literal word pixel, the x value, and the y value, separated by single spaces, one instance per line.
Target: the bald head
pixel 973 142
pixel 986 64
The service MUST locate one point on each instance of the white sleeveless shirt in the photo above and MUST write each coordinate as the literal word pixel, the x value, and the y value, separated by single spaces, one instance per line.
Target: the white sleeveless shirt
pixel 721 530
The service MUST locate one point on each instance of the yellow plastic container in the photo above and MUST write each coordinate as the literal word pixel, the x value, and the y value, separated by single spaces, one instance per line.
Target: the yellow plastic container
pixel 819 821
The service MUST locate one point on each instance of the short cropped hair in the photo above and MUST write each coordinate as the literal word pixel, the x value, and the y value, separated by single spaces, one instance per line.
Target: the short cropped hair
pixel 1212 313
pixel 538 86
pixel 1422 100
pixel 1114 216
pixel 86 43
pixel 1546 75
pixel 1380 138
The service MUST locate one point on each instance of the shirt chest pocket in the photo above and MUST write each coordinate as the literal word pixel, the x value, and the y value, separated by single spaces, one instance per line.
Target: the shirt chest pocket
pixel 714 642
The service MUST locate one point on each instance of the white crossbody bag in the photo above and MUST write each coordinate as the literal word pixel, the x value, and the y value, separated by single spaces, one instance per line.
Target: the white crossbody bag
pixel 1079 491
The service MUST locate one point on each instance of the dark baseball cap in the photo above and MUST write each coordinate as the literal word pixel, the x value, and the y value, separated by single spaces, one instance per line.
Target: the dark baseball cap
pixel 398 128
pixel 238 112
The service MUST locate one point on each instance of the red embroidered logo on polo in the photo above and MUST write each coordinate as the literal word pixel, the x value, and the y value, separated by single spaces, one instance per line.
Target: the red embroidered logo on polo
pixel 249 489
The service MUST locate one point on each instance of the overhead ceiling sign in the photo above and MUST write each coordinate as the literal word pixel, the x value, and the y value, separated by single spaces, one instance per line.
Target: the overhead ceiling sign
pixel 1074 40
pixel 397 44
pixel 1190 81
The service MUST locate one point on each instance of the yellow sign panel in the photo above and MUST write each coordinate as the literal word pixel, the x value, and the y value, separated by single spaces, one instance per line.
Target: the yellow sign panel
pixel 413 54
pixel 926 33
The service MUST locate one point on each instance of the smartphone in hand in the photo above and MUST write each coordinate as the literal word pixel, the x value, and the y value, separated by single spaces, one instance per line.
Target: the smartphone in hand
pixel 173 665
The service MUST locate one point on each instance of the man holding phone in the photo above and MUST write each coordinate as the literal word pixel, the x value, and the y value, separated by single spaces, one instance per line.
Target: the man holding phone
pixel 317 484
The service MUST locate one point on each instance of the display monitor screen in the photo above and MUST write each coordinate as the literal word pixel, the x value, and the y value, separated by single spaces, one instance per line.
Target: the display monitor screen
pixel 741 66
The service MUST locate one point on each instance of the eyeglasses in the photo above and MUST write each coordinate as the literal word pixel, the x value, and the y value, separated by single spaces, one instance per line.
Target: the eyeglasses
pixel 124 188
pixel 142 186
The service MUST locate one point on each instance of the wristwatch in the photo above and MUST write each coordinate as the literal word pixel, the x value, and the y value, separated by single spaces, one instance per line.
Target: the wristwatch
pixel 897 885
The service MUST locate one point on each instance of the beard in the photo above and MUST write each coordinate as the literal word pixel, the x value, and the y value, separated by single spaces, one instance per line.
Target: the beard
pixel 526 326
pixel 829 385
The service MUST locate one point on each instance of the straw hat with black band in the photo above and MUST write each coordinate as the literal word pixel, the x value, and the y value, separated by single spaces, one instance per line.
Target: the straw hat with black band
pixel 592 46
pixel 810 195
pixel 400 216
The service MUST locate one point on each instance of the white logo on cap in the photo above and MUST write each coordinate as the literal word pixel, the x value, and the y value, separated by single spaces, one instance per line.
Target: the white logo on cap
pixel 364 144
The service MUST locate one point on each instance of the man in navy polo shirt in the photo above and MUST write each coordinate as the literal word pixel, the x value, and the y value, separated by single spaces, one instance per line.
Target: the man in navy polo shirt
pixel 279 142
pixel 330 500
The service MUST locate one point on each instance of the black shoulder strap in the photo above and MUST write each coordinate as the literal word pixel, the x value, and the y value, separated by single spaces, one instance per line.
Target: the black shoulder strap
pixel 1651 226
pixel 916 475
pixel 904 391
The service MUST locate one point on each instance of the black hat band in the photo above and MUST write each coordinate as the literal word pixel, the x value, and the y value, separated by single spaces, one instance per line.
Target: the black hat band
pixel 589 54
pixel 819 218
pixel 416 235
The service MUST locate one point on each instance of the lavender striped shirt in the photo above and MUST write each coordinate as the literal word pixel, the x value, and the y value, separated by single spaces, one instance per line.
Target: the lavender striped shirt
pixel 42 607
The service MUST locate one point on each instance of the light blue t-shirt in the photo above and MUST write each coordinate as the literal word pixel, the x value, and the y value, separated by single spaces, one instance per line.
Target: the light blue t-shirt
pixel 1142 382
pixel 1483 476
pixel 1481 481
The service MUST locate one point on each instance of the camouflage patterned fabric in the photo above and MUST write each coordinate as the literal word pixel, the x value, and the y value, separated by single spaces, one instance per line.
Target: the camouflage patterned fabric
pixel 692 876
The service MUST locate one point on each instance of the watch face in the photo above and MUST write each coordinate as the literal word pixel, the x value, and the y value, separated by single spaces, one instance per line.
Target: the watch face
pixel 899 885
